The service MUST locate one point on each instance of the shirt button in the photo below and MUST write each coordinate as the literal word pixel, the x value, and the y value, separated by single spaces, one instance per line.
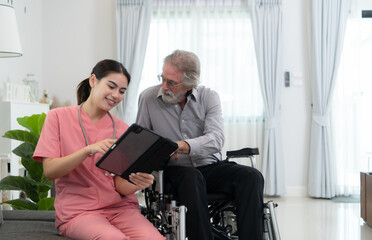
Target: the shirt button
pixel 183 120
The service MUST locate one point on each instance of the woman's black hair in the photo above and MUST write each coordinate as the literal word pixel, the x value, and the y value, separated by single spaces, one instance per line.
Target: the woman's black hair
pixel 101 70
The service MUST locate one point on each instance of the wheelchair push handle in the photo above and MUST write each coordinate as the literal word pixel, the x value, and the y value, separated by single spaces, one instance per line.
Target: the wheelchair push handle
pixel 244 152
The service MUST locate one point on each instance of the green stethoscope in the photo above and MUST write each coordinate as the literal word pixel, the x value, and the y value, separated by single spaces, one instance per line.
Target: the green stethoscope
pixel 85 135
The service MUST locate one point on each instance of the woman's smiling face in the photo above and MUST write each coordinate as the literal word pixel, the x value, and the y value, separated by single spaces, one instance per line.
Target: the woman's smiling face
pixel 108 91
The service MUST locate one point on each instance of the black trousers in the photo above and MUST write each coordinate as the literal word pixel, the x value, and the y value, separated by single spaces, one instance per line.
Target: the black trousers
pixel 245 184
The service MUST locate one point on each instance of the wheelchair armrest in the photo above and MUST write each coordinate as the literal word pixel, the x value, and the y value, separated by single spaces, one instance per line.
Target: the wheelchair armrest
pixel 244 152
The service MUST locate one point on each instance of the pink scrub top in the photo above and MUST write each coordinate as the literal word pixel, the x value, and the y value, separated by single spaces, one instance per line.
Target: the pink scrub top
pixel 86 188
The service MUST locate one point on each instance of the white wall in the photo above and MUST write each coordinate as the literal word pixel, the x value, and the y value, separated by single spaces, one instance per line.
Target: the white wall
pixel 76 34
pixel 29 19
pixel 296 99
pixel 62 40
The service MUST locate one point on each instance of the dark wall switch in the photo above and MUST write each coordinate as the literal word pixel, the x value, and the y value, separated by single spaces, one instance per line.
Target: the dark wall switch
pixel 287 79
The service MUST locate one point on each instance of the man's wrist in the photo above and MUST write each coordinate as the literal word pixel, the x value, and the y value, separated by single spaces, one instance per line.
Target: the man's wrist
pixel 183 147
pixel 187 147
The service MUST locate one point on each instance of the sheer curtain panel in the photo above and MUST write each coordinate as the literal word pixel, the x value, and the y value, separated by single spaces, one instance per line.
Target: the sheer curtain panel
pixel 328 20
pixel 132 29
pixel 351 115
pixel 267 31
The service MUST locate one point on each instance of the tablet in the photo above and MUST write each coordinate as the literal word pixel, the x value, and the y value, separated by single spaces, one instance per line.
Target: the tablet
pixel 137 150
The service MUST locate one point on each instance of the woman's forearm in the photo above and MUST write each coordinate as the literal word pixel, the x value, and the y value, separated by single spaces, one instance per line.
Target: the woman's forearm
pixel 124 187
pixel 59 167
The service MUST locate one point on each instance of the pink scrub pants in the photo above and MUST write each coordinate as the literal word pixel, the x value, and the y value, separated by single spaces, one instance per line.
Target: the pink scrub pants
pixel 126 224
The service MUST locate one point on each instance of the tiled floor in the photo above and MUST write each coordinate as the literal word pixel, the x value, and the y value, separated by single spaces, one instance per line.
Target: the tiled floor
pixel 318 219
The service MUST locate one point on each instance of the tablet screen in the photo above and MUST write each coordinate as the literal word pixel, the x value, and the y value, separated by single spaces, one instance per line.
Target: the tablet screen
pixel 137 150
pixel 128 150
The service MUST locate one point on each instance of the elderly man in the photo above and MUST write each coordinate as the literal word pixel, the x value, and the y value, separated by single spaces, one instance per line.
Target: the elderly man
pixel 191 115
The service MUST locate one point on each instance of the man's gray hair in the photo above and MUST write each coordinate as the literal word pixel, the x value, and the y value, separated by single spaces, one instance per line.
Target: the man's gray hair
pixel 188 63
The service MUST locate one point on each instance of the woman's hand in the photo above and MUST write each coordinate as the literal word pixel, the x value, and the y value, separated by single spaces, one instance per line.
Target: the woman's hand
pixel 138 181
pixel 101 146
pixel 141 180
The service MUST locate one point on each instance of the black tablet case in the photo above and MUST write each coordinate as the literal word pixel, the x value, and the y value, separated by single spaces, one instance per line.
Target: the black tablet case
pixel 137 150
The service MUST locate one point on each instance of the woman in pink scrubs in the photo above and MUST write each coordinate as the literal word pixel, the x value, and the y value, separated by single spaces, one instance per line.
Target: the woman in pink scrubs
pixel 91 203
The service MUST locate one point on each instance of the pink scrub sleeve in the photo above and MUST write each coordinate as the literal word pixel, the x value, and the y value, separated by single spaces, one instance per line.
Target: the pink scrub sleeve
pixel 49 144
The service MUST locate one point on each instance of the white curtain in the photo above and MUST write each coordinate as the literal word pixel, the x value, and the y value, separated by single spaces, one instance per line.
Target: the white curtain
pixel 267 30
pixel 351 115
pixel 132 28
pixel 219 32
pixel 328 20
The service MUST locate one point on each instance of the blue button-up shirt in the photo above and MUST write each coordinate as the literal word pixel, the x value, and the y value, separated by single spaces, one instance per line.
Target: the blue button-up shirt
pixel 200 123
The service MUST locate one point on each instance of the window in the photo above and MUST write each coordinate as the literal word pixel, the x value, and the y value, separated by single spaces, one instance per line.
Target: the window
pixel 351 114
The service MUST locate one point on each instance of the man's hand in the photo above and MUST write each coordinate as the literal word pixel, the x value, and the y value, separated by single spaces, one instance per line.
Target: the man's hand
pixel 183 147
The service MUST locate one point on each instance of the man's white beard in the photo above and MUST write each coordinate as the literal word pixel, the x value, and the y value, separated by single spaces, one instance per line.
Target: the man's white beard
pixel 171 97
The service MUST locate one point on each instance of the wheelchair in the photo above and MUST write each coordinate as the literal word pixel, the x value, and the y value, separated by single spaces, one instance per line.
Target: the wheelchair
pixel 163 211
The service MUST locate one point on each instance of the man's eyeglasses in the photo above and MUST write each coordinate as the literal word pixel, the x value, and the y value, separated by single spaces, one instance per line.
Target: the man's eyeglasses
pixel 170 83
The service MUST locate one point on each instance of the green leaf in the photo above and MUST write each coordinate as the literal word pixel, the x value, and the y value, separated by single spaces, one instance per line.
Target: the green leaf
pixel 47 181
pixel 25 150
pixel 43 195
pixel 22 135
pixel 34 169
pixel 46 204
pixel 27 161
pixel 20 183
pixel 40 186
pixel 22 204
pixel 33 123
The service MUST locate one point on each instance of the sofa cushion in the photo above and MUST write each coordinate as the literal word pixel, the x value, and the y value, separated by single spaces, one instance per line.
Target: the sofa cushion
pixel 20 229
pixel 29 224
pixel 29 215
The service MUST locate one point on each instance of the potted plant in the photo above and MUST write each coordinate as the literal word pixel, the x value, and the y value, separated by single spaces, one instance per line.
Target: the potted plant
pixel 34 185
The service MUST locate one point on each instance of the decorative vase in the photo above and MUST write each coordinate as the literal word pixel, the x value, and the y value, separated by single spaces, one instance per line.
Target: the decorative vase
pixel 31 81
